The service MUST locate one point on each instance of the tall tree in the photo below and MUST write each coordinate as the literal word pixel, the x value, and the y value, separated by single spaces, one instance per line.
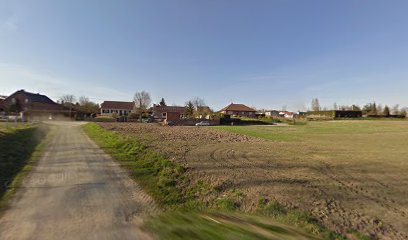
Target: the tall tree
pixel 380 109
pixel 198 102
pixel 315 105
pixel 68 100
pixel 189 109
pixel 142 102
pixel 335 107
pixel 403 111
pixel 88 106
pixel 395 109
pixel 386 111
pixel 355 107
pixel 162 103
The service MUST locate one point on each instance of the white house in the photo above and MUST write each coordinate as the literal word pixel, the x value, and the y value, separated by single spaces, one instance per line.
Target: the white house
pixel 120 108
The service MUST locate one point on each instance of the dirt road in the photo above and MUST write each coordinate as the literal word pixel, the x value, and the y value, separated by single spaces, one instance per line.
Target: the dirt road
pixel 76 192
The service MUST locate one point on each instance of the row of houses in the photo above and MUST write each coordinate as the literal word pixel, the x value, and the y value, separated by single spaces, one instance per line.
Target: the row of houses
pixel 35 105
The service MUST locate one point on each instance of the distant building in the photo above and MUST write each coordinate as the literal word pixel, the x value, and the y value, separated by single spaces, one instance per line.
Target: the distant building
pixel 238 110
pixel 30 105
pixel 1 103
pixel 168 113
pixel 108 108
pixel 272 113
pixel 286 114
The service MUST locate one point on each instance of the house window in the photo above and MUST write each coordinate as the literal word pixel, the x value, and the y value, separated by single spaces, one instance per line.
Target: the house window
pixel 26 100
pixel 120 112
pixel 164 115
pixel 13 100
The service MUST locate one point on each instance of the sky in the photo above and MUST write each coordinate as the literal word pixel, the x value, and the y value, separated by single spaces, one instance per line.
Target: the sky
pixel 262 53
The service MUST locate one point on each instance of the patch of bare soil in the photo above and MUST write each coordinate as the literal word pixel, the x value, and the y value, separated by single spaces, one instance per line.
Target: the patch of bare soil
pixel 343 190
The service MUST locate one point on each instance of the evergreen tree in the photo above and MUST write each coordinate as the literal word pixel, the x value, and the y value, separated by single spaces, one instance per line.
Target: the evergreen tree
pixel 189 110
pixel 162 103
pixel 386 112
pixel 373 110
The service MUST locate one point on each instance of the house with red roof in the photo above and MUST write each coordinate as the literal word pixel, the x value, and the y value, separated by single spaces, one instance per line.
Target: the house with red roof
pixel 238 110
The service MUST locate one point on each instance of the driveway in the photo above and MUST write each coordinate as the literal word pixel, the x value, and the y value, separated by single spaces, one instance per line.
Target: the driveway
pixel 76 191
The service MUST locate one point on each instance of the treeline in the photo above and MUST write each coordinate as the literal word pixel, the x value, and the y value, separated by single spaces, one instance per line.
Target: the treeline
pixel 369 109
pixel 82 104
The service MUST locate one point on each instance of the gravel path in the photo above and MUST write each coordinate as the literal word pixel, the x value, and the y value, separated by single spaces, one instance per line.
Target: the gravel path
pixel 76 192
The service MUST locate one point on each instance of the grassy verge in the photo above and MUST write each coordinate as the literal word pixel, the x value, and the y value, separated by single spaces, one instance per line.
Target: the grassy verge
pixel 197 210
pixel 151 170
pixel 20 148
pixel 221 225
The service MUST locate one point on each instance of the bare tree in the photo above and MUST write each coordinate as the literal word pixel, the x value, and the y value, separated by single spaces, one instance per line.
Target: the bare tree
pixel 395 109
pixel 88 106
pixel 142 102
pixel 403 111
pixel 335 106
pixel 68 100
pixel 83 100
pixel 380 109
pixel 198 102
pixel 315 105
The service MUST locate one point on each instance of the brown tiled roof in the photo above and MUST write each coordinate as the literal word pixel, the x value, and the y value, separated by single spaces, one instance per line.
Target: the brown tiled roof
pixel 238 108
pixel 117 105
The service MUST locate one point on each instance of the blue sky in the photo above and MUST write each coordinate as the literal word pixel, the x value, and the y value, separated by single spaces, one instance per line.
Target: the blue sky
pixel 263 53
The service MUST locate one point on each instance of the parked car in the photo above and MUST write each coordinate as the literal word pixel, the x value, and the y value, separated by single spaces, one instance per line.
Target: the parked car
pixel 203 123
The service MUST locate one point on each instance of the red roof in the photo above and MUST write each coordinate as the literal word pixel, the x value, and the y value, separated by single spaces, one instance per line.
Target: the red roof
pixel 238 108
pixel 117 105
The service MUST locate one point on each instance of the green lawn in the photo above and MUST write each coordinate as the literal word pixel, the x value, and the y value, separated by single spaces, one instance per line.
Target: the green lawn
pixel 17 144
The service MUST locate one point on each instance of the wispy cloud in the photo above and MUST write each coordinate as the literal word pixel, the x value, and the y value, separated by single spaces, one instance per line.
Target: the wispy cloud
pixel 14 77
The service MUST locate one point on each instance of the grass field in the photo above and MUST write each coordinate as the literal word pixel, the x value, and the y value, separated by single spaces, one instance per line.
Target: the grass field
pixel 186 216
pixel 17 146
pixel 357 168
pixel 350 176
